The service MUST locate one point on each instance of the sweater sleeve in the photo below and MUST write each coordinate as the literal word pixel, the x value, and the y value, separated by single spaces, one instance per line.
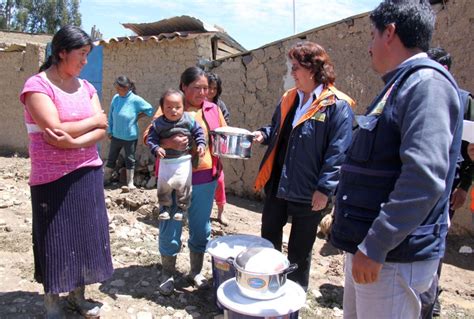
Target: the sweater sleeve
pixel 427 113
pixel 143 106
pixel 198 134
pixel 153 139
pixel 224 110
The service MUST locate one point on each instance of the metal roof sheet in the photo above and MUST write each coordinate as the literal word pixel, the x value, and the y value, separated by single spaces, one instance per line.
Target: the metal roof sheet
pixel 174 24
pixel 156 38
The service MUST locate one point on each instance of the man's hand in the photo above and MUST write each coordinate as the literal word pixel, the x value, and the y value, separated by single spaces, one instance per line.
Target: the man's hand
pixel 458 198
pixel 319 201
pixel 364 269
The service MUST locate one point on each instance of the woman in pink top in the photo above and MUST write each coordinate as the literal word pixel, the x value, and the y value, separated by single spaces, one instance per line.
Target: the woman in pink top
pixel 64 121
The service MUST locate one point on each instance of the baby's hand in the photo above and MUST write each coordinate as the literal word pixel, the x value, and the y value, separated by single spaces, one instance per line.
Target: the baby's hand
pixel 160 152
pixel 201 150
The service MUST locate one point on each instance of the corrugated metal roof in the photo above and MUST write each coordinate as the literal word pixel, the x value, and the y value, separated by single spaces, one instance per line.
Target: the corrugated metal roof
pixel 156 38
pixel 182 26
pixel 174 24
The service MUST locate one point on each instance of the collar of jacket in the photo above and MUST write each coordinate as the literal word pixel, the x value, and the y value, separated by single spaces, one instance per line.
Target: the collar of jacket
pixel 327 97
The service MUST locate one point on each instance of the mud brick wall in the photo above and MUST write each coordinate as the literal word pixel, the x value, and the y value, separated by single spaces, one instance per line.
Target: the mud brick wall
pixel 15 68
pixel 253 82
pixel 154 67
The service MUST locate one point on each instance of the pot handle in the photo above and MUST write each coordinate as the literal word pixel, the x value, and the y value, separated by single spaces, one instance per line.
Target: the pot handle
pixel 290 268
pixel 230 261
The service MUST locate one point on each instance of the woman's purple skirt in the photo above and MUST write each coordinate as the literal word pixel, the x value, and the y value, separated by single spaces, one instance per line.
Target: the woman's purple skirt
pixel 71 243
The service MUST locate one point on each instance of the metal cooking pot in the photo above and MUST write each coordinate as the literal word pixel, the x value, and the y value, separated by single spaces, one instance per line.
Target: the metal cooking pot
pixel 262 285
pixel 226 143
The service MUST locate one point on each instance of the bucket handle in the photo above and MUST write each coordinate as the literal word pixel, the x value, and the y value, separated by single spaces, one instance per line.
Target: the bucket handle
pixel 290 268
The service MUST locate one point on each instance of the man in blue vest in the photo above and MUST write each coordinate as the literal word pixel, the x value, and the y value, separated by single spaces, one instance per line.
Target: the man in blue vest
pixel 391 208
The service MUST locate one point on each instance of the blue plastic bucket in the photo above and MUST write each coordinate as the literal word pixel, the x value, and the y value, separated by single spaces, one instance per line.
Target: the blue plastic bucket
pixel 224 247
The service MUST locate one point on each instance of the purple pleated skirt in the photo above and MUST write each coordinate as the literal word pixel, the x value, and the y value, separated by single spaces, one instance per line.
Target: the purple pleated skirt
pixel 71 242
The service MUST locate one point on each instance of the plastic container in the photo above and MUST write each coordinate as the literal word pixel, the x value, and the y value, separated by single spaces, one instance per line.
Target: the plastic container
pixel 222 248
pixel 238 306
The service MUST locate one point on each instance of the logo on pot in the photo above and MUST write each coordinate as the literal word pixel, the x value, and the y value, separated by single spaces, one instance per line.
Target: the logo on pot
pixel 256 283
pixel 245 144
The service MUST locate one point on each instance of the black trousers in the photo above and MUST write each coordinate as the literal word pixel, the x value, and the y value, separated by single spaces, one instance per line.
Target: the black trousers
pixel 304 224
pixel 116 146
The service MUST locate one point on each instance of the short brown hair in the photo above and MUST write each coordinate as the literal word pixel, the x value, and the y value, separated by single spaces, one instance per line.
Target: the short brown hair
pixel 313 57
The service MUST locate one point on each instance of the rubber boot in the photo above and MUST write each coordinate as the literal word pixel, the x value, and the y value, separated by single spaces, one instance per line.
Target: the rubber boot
pixel 107 175
pixel 130 175
pixel 54 309
pixel 198 280
pixel 166 286
pixel 78 302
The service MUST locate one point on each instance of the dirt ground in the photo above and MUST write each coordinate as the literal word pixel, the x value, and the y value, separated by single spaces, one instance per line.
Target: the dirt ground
pixel 132 293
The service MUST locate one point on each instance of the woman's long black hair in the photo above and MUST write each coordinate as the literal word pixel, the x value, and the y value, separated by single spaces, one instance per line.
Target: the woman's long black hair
pixel 67 38
pixel 214 78
pixel 190 75
pixel 125 82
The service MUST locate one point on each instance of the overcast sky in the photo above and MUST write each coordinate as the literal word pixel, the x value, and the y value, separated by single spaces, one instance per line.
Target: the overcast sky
pixel 252 23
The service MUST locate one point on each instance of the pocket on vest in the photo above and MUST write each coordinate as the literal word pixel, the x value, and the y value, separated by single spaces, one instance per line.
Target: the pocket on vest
pixel 362 145
pixel 351 225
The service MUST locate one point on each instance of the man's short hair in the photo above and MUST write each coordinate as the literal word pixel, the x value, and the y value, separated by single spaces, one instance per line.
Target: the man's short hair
pixel 441 56
pixel 414 21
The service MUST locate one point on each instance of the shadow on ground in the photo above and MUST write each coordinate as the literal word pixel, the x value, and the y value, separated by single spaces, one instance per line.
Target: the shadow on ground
pixel 454 257
pixel 331 296
pixel 138 281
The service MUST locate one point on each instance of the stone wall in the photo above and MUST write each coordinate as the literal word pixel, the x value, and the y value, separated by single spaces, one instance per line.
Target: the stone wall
pixel 7 37
pixel 254 82
pixel 15 68
pixel 154 67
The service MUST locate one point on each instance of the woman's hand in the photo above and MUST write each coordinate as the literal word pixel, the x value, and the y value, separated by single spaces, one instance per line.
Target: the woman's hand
pixel 101 119
pixel 58 138
pixel 258 137
pixel 178 142
pixel 319 201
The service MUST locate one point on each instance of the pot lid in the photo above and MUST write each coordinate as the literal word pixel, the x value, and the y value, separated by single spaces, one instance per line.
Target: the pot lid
pixel 230 246
pixel 262 260
pixel 232 130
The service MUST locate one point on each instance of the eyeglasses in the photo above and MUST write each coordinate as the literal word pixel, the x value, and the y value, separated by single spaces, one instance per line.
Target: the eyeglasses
pixel 295 67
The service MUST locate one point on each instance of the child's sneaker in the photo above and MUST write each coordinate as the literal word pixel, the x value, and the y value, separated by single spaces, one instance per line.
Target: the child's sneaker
pixel 179 215
pixel 164 213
